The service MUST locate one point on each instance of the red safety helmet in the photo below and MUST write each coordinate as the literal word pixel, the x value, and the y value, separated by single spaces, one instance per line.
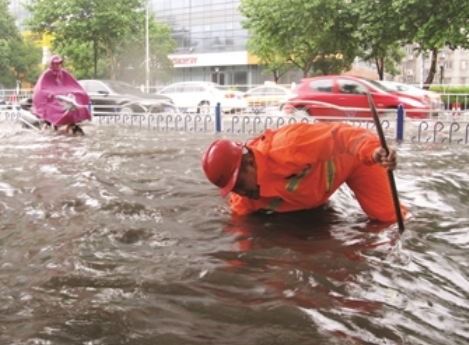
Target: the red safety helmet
pixel 221 163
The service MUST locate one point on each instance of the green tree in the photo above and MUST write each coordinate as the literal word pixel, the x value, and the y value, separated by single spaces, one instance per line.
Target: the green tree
pixel 316 36
pixel 100 39
pixel 19 57
pixel 25 60
pixel 131 52
pixel 433 25
pixel 8 33
pixel 272 62
pixel 100 23
pixel 379 35
pixel 79 59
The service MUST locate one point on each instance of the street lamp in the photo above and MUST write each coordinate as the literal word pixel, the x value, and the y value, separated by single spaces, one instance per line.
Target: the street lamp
pixel 442 70
pixel 442 67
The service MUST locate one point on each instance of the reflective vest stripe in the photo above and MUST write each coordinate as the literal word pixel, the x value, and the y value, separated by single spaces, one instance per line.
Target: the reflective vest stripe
pixel 294 182
pixel 274 204
pixel 358 140
pixel 330 173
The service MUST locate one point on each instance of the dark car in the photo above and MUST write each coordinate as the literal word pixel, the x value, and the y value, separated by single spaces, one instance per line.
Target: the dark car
pixel 327 95
pixel 3 103
pixel 117 96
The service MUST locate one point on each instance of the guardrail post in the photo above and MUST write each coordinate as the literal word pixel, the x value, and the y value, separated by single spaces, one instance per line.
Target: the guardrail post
pixel 90 110
pixel 400 123
pixel 218 118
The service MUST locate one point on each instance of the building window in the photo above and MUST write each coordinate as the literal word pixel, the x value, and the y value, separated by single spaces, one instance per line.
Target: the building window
pixel 464 64
pixel 240 78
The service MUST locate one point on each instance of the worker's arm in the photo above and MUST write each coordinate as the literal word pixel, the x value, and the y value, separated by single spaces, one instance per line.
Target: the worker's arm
pixel 365 145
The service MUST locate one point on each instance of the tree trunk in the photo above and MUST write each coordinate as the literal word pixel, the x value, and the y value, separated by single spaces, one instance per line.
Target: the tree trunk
pixel 95 57
pixel 380 67
pixel 276 76
pixel 432 72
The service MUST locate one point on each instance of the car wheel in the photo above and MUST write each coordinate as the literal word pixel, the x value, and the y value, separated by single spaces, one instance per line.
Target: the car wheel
pixel 126 110
pixel 389 113
pixel 204 108
pixel 300 111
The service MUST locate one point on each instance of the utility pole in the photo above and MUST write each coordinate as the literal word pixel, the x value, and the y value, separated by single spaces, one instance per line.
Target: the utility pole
pixel 147 49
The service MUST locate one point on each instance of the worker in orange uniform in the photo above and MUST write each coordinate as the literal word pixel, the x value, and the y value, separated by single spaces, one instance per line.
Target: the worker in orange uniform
pixel 299 166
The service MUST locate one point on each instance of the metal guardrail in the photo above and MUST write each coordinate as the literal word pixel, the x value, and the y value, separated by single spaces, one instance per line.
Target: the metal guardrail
pixel 446 128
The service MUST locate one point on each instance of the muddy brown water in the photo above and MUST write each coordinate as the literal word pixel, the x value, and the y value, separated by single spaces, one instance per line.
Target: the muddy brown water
pixel 117 238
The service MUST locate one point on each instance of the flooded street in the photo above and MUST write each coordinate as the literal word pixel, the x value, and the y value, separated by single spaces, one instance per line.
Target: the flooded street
pixel 117 238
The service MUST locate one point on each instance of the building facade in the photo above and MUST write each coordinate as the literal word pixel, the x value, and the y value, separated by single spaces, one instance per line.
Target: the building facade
pixel 17 9
pixel 452 67
pixel 211 42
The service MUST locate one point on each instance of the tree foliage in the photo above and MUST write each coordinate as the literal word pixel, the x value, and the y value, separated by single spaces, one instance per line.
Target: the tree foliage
pixel 131 53
pixel 272 62
pixel 19 57
pixel 309 34
pixel 379 35
pixel 324 36
pixel 79 59
pixel 430 24
pixel 97 32
pixel 25 59
pixel 433 25
pixel 96 21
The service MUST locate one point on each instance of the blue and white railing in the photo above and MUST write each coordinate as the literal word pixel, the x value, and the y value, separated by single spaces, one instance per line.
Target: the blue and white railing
pixel 445 128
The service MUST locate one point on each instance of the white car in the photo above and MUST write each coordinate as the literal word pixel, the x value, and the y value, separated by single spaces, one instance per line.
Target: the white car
pixel 433 99
pixel 202 97
pixel 268 95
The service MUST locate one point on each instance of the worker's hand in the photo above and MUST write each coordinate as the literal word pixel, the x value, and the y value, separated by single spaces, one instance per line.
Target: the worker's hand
pixel 387 162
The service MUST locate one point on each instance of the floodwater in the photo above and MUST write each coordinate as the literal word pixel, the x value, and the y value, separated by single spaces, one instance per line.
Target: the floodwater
pixel 117 238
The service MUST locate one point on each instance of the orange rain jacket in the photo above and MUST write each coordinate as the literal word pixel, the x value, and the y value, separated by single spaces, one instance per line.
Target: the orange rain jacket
pixel 300 166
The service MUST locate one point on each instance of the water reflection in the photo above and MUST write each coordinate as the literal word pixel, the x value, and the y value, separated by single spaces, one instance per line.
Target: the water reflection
pixel 116 238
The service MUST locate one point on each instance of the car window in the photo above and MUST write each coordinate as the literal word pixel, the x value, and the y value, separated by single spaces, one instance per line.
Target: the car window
pixel 351 87
pixel 403 88
pixel 121 87
pixel 95 87
pixel 391 87
pixel 321 85
pixel 276 91
pixel 221 88
pixel 193 88
pixel 376 84
pixel 257 92
pixel 188 88
pixel 171 89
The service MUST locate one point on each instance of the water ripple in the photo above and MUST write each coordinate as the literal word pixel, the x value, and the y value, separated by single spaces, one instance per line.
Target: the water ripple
pixel 117 238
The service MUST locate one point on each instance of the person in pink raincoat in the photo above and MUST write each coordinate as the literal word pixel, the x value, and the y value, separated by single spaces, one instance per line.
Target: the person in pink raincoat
pixel 59 99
